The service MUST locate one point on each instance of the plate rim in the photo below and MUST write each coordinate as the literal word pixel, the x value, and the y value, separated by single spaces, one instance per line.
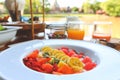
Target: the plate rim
pixel 33 42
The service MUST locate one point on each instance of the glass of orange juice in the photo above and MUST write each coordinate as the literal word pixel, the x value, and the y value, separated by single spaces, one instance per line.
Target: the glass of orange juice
pixel 75 30
pixel 102 31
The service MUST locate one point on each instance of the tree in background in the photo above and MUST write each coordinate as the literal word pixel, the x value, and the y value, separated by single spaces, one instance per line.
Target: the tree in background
pixel 111 7
pixel 95 6
pixel 75 9
pixel 47 6
pixel 2 9
pixel 86 6
pixel 91 7
pixel 37 6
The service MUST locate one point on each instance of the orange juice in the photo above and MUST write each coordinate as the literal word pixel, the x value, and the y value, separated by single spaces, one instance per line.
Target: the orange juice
pixel 75 34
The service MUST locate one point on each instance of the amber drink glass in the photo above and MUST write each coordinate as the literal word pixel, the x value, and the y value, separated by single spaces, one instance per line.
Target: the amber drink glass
pixel 102 31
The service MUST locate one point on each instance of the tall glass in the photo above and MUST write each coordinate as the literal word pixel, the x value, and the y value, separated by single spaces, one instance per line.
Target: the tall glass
pixel 102 31
pixel 75 30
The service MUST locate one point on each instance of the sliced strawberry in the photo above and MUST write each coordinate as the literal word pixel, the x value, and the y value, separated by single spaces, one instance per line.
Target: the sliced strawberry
pixel 65 51
pixel 65 48
pixel 34 54
pixel 43 60
pixel 37 69
pixel 55 67
pixel 74 55
pixel 86 59
pixel 90 65
pixel 94 64
pixel 80 56
pixel 71 52
pixel 47 67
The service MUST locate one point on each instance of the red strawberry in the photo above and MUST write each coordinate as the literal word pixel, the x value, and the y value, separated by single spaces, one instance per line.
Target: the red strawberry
pixel 43 60
pixel 55 67
pixel 65 48
pixel 65 51
pixel 34 54
pixel 47 67
pixel 71 53
pixel 90 65
pixel 86 59
pixel 37 69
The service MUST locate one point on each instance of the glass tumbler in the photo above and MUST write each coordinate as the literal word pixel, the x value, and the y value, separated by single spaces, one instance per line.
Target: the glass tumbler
pixel 75 30
pixel 102 31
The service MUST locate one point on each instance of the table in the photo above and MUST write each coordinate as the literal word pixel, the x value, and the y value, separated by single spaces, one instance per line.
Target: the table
pixel 25 33
pixel 114 42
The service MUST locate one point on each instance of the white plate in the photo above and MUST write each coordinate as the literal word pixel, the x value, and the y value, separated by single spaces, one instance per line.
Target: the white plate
pixel 8 34
pixel 107 59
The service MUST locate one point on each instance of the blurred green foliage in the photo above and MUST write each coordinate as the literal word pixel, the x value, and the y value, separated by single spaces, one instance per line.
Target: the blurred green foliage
pixel 111 7
pixel 37 6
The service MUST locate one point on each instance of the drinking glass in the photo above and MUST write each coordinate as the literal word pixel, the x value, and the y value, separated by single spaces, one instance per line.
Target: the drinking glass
pixel 57 32
pixel 75 30
pixel 102 31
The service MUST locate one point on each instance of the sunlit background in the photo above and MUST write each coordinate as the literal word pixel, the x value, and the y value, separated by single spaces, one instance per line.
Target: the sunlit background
pixel 76 7
pixel 71 3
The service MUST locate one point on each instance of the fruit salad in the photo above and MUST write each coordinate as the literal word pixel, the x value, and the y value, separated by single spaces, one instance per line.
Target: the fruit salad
pixel 58 61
